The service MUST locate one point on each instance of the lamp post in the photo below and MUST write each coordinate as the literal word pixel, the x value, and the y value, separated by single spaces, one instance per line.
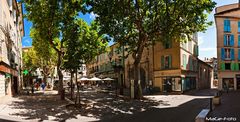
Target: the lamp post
pixel 117 67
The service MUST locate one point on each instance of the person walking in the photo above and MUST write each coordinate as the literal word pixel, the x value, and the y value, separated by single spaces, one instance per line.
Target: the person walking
pixel 43 86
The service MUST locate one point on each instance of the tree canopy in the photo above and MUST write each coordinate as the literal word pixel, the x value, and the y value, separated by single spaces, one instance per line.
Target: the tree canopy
pixel 140 23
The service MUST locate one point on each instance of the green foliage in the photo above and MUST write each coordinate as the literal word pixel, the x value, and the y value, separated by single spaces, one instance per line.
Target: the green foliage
pixel 29 60
pixel 46 56
pixel 82 44
pixel 142 22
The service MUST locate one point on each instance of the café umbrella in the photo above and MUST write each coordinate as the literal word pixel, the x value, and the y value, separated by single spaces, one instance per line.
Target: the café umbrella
pixel 108 79
pixel 95 79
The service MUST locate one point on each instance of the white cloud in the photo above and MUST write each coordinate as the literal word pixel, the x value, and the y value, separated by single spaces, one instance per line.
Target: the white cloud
pixel 92 16
pixel 208 49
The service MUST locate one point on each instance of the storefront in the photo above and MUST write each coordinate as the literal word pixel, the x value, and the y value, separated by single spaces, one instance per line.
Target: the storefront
pixel 188 83
pixel 172 84
pixel 238 80
pixel 228 83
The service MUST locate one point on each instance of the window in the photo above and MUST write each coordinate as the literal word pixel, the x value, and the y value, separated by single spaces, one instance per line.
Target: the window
pixel 168 45
pixel 228 40
pixel 227 25
pixel 195 50
pixel 227 54
pixel 227 66
pixel 184 57
pixel 166 62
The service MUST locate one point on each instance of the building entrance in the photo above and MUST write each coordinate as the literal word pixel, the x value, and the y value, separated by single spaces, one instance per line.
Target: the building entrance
pixel 238 83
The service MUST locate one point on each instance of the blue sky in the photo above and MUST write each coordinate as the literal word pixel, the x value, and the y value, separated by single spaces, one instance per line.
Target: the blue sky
pixel 207 40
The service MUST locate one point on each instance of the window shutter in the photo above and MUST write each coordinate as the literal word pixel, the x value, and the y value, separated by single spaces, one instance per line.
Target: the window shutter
pixel 231 40
pixel 225 25
pixel 237 66
pixel 238 26
pixel 225 40
pixel 232 54
pixel 222 66
pixel 162 62
pixel 223 54
pixel 238 54
pixel 190 62
pixel 238 40
pixel 232 66
pixel 170 61
pixel 185 61
pixel 229 25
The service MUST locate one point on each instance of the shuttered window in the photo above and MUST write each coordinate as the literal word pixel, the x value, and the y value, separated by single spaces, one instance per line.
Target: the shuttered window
pixel 227 25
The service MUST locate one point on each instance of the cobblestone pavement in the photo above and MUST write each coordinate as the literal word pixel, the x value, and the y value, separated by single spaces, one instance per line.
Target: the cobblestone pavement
pixel 230 107
pixel 95 106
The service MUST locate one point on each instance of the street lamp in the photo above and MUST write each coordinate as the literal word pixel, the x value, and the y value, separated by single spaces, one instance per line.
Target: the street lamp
pixel 117 67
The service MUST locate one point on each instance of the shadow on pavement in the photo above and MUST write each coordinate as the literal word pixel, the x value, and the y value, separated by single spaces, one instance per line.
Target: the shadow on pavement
pixel 182 113
pixel 101 106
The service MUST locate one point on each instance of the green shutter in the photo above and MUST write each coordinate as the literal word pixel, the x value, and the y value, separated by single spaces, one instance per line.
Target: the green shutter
pixel 236 66
pixel 232 66
pixel 222 66
pixel 162 62
pixel 170 61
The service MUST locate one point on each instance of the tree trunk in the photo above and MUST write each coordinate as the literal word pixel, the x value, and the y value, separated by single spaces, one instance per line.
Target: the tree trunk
pixel 76 83
pixel 137 89
pixel 137 59
pixel 60 76
pixel 71 85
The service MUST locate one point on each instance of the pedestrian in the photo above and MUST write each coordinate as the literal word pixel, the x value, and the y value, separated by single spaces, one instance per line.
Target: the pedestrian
pixel 43 86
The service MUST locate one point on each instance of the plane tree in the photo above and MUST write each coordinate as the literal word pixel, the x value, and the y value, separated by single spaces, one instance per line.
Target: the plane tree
pixel 140 23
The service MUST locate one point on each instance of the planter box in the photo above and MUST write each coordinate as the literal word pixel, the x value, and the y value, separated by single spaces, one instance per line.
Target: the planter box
pixel 216 100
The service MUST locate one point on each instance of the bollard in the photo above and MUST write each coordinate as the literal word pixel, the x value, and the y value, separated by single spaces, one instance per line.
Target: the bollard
pixel 210 104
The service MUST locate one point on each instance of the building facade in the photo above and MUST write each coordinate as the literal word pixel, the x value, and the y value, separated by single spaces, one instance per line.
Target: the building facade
pixel 171 67
pixel 11 33
pixel 228 45
pixel 205 75
pixel 213 63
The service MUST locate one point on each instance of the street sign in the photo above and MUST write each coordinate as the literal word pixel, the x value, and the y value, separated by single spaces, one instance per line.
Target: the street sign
pixel 25 72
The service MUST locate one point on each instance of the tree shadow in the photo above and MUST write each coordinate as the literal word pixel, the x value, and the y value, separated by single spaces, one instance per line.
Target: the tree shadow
pixel 101 106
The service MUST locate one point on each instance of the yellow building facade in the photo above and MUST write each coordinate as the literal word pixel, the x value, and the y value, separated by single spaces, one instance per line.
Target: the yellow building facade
pixel 228 45
pixel 171 67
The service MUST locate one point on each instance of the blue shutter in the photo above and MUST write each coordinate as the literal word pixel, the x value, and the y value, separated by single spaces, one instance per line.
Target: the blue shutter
pixel 225 40
pixel 232 54
pixel 229 25
pixel 238 54
pixel 238 26
pixel 225 25
pixel 238 40
pixel 232 40
pixel 223 54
